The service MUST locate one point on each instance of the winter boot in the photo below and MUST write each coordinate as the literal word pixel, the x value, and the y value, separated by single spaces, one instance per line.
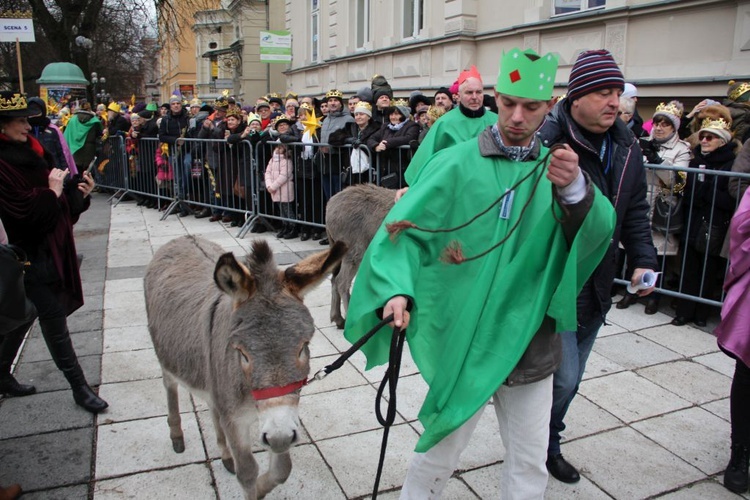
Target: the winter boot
pixel 8 350
pixel 60 346
pixel 735 477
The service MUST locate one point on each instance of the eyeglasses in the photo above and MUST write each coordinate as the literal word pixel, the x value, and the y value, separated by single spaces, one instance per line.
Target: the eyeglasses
pixel 662 123
pixel 619 113
pixel 707 137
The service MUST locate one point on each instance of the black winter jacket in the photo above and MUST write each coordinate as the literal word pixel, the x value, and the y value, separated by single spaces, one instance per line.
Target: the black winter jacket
pixel 624 185
pixel 173 127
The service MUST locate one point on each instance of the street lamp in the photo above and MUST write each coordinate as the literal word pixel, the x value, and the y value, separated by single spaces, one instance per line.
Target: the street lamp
pixel 96 80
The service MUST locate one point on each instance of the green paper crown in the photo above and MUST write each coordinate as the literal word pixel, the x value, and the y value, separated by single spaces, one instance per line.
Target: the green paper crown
pixel 525 74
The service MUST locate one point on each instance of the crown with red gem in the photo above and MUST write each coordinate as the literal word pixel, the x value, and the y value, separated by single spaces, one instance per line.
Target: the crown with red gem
pixel 526 74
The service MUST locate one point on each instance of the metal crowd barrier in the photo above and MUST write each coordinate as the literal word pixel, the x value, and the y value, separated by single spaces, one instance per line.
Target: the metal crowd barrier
pixel 680 263
pixel 229 180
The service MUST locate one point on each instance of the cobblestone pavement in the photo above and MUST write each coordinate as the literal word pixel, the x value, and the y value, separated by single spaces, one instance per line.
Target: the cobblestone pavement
pixel 651 420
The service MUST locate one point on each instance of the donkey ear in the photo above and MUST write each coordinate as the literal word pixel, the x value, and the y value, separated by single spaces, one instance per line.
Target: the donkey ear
pixel 309 272
pixel 233 278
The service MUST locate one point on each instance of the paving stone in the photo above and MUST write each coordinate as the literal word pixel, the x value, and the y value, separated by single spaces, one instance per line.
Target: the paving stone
pixel 124 285
pixel 597 366
pixel 410 395
pixel 324 416
pixel 686 341
pixel 91 302
pixel 697 436
pixel 354 458
pixel 321 316
pixel 634 318
pixel 691 381
pixel 189 481
pixel 46 377
pixel 719 408
pixel 31 414
pixel 143 445
pixel 486 482
pixel 610 328
pixel 376 373
pixel 625 464
pixel 85 322
pixel 139 399
pixel 584 418
pixel 310 478
pixel 129 316
pixel 66 493
pixel 84 343
pixel 719 362
pixel 132 338
pixel 630 397
pixel 633 351
pixel 27 460
pixel 123 300
pixel 130 365
pixel 710 489
pixel 456 489
pixel 320 346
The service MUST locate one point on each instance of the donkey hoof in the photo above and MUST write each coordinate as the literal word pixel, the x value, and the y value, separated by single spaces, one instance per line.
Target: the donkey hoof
pixel 340 322
pixel 228 464
pixel 178 445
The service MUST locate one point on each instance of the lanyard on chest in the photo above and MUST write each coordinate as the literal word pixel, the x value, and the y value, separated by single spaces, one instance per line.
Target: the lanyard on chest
pixel 606 152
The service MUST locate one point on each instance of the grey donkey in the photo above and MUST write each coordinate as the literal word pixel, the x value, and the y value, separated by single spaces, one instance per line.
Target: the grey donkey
pixel 235 334
pixel 353 216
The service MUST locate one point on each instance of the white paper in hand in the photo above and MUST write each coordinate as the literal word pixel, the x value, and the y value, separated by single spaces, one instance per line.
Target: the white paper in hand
pixel 648 279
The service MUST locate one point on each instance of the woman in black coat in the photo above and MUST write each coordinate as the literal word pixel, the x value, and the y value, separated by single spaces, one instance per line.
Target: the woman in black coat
pixel 38 207
pixel 711 207
pixel 358 134
pixel 392 159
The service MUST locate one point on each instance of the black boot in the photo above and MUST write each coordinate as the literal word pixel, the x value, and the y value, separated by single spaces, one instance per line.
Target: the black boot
pixel 628 300
pixel 8 350
pixel 735 477
pixel 60 346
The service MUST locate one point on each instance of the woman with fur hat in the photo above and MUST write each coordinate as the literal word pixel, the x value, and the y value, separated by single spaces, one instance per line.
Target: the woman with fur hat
pixel 711 208
pixel 38 207
pixel 387 142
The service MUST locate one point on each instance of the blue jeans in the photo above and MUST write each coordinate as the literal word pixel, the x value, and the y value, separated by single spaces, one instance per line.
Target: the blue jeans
pixel 576 348
pixel 181 164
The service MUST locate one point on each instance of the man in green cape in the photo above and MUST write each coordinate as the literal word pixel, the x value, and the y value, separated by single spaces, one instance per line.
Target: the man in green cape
pixel 522 228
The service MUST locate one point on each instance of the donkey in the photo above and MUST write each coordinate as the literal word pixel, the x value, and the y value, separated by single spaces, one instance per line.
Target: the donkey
pixel 242 346
pixel 353 216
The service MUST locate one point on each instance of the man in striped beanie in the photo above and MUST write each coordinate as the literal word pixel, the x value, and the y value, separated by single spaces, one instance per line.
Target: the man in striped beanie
pixel 587 121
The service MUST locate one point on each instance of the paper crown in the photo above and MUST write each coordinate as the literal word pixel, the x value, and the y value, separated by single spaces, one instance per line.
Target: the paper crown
pixel 469 73
pixel 281 119
pixel 236 112
pixel 400 102
pixel 526 74
pixel 737 92
pixel 335 94
pixel 252 117
pixel 719 124
pixel 113 106
pixel 13 102
pixel 669 108
pixel 306 105
pixel 195 102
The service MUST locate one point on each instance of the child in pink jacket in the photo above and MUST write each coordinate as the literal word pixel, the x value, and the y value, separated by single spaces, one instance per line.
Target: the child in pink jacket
pixel 279 178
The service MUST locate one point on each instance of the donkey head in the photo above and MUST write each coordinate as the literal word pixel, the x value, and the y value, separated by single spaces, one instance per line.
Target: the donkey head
pixel 270 332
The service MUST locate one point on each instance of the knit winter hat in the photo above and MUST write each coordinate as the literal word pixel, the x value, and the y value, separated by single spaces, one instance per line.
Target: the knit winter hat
pixel 152 107
pixel 402 106
pixel 594 70
pixel 146 114
pixel 363 107
pixel 379 93
pixel 175 98
pixel 630 90
pixel 672 111
pixel 444 90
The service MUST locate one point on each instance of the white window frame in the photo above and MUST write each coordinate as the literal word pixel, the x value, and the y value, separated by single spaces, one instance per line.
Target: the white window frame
pixel 362 24
pixel 314 30
pixel 417 18
pixel 583 5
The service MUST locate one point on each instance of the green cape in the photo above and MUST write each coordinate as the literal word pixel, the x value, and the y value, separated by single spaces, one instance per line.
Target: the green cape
pixel 76 132
pixel 452 128
pixel 470 323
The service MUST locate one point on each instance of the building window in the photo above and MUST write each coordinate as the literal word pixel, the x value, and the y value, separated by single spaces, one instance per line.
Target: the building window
pixel 315 31
pixel 363 23
pixel 413 17
pixel 571 6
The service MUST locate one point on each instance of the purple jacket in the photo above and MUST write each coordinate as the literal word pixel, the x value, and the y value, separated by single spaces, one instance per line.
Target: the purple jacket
pixel 733 333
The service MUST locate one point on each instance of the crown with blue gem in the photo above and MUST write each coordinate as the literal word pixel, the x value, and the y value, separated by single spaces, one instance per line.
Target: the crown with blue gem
pixel 526 74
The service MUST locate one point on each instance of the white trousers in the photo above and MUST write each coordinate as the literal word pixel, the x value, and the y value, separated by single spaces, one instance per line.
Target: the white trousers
pixel 523 414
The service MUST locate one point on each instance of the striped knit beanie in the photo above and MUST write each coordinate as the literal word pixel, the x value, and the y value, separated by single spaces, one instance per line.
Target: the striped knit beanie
pixel 594 70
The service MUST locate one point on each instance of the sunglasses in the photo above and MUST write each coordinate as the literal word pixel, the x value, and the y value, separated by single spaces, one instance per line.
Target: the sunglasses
pixel 707 137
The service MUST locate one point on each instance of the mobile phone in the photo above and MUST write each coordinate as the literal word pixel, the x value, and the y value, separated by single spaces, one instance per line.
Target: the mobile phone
pixel 91 165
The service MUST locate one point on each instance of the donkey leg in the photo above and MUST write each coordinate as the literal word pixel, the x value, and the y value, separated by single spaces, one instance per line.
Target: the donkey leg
pixel 336 298
pixel 279 468
pixel 221 440
pixel 241 442
pixel 348 271
pixel 173 413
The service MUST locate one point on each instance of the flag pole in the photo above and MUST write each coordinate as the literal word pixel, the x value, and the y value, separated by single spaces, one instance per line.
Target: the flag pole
pixel 20 66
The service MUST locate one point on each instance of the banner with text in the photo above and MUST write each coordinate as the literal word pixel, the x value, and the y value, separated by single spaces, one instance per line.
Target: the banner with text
pixel 275 46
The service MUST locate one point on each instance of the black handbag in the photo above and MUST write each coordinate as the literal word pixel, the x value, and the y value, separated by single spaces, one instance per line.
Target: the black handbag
pixel 15 309
pixel 709 238
pixel 668 215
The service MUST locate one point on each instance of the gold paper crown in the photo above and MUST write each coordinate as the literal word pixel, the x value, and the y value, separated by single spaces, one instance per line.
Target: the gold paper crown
pixel 281 118
pixel 720 124
pixel 435 112
pixel 306 105
pixel 363 104
pixel 741 89
pixel 334 93
pixel 195 102
pixel 669 108
pixel 235 112
pixel 16 102
pixel 400 102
